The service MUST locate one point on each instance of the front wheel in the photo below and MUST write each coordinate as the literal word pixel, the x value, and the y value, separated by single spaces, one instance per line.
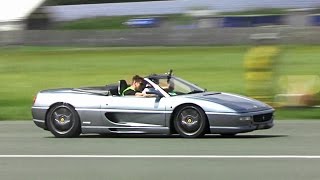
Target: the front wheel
pixel 190 121
pixel 63 121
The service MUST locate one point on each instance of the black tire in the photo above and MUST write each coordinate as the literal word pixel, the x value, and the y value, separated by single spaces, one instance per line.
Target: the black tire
pixel 63 121
pixel 191 122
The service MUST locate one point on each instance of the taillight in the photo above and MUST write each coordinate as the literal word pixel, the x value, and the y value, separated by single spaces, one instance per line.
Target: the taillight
pixel 34 99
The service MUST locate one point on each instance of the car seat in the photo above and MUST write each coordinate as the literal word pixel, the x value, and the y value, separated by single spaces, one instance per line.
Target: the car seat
pixel 122 86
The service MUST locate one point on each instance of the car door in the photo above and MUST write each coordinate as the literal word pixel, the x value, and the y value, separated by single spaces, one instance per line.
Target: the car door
pixel 135 111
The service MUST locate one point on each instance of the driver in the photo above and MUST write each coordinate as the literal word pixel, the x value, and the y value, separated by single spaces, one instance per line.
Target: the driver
pixel 136 87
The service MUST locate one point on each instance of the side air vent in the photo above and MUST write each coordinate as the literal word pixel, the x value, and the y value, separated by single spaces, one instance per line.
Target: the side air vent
pixel 111 117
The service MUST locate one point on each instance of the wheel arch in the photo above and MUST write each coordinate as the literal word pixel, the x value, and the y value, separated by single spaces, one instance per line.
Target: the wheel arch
pixel 57 104
pixel 176 110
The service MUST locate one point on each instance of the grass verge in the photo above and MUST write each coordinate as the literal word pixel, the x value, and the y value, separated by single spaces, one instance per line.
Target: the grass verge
pixel 27 70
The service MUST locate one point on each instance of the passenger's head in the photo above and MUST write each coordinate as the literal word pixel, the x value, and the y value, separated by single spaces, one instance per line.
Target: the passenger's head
pixel 155 80
pixel 137 82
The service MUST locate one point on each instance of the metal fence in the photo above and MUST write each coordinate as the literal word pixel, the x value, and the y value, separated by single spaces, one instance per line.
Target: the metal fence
pixel 163 37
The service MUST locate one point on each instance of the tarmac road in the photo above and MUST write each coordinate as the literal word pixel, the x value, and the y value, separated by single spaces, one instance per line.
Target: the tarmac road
pixel 290 150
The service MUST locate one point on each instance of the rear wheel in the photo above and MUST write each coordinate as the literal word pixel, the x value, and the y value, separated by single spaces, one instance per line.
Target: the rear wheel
pixel 190 121
pixel 63 121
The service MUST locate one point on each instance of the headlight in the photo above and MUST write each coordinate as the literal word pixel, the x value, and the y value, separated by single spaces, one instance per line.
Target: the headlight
pixel 245 118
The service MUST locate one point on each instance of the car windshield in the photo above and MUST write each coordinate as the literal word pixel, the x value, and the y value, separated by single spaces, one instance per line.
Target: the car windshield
pixel 175 86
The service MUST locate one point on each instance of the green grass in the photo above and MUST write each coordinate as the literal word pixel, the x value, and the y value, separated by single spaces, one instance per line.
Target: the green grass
pixel 95 23
pixel 26 70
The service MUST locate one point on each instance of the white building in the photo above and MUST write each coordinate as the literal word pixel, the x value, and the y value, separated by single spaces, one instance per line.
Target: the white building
pixel 73 12
pixel 14 12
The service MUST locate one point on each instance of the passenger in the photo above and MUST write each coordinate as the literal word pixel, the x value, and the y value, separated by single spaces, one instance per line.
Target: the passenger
pixel 167 87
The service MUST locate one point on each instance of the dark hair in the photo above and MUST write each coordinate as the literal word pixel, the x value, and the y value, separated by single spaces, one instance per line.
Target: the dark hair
pixel 137 78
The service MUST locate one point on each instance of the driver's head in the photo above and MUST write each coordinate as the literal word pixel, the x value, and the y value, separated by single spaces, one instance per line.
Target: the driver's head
pixel 137 82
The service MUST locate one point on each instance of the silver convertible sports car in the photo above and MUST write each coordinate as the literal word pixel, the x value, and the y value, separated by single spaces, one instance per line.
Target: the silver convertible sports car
pixel 183 108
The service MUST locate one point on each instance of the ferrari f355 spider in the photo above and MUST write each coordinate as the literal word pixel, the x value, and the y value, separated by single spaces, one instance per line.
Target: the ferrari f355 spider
pixel 183 109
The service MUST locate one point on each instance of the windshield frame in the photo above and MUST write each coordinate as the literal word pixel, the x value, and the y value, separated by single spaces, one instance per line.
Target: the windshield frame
pixel 164 93
pixel 156 87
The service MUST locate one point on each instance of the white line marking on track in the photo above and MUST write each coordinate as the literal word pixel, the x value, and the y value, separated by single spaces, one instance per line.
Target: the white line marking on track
pixel 171 156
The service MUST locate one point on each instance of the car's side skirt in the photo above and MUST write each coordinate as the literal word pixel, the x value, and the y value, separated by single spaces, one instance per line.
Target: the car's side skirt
pixel 125 130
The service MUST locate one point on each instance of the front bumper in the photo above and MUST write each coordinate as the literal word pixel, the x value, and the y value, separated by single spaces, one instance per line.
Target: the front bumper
pixel 230 123
pixel 239 129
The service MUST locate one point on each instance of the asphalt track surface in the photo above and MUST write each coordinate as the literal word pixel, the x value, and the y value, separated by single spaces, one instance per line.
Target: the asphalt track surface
pixel 290 150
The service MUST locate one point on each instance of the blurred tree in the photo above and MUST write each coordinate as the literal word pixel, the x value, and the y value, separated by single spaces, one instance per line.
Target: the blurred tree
pixel 72 2
pixel 259 64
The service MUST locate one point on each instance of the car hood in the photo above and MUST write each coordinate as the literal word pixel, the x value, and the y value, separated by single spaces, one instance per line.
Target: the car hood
pixel 236 102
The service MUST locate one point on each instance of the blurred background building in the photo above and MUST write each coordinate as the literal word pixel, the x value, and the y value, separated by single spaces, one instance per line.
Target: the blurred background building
pixel 38 14
pixel 174 22
pixel 63 13
pixel 14 13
